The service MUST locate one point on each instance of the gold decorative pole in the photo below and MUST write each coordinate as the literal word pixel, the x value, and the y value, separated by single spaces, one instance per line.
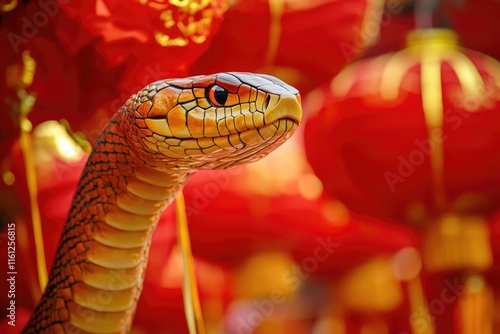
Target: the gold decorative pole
pixel 192 306
pixel 26 103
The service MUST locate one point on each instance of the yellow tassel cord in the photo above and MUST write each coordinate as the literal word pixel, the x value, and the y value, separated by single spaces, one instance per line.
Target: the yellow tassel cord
pixel 422 322
pixel 276 9
pixel 432 48
pixel 27 102
pixel 288 74
pixel 192 305
pixel 432 103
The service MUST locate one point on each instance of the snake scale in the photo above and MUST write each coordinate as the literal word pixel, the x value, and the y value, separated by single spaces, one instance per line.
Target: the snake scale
pixel 143 157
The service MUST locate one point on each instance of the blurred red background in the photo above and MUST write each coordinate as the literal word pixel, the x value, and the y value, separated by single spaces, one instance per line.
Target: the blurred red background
pixel 379 216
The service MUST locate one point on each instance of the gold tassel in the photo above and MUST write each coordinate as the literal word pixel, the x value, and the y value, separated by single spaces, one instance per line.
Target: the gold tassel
pixel 475 307
pixel 457 243
pixel 192 307
pixel 276 8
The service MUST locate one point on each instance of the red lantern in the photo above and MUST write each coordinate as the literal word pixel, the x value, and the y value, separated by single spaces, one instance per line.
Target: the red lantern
pixel 410 130
pixel 410 136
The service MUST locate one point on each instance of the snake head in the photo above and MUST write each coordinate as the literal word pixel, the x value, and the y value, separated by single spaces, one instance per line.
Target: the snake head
pixel 214 121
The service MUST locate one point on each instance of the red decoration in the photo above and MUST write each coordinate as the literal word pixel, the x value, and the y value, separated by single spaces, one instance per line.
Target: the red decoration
pixel 374 144
pixel 91 57
pixel 375 148
pixel 154 39
pixel 303 43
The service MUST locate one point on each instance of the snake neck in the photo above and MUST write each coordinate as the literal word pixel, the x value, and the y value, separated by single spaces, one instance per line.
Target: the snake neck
pixel 97 274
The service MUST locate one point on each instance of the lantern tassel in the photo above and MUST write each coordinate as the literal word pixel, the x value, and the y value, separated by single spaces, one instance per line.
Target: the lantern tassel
pixel 474 311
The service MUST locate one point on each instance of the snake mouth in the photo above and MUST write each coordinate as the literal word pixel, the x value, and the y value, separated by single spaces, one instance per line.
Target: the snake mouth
pixel 280 107
pixel 248 139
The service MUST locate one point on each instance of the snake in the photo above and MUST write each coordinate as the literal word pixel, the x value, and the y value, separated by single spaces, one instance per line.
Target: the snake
pixel 143 157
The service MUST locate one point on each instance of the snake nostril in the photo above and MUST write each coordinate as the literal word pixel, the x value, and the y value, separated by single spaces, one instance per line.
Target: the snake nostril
pixel 266 103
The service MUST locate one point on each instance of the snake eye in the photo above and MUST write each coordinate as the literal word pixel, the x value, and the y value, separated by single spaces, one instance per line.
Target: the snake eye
pixel 216 95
